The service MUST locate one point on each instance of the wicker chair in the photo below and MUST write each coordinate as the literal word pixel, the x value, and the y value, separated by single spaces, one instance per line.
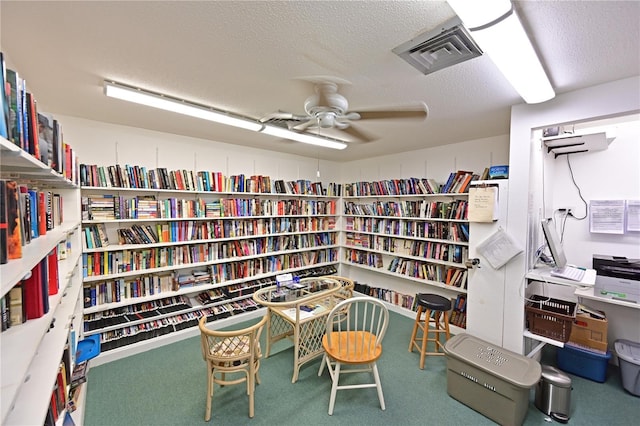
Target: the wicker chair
pixel 354 345
pixel 347 286
pixel 232 357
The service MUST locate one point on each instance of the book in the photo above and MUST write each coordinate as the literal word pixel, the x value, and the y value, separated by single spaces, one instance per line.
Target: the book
pixel 45 137
pixel 17 308
pixel 56 147
pixel 32 120
pixel 42 213
pixel 14 231
pixel 79 374
pixel 3 223
pixel 25 214
pixel 15 107
pixel 32 293
pixel 54 279
pixel 4 311
pixel 4 102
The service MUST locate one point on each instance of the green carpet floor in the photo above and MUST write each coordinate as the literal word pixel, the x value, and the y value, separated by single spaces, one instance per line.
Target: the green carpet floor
pixel 167 386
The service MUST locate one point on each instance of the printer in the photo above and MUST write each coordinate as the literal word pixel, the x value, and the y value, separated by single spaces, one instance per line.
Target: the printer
pixel 617 278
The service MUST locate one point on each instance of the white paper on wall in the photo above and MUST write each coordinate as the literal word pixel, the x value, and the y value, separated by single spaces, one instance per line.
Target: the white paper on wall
pixel 499 248
pixel 606 216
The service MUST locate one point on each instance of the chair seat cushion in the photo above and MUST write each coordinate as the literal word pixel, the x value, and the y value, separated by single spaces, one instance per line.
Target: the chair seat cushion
pixel 231 347
pixel 434 302
pixel 352 346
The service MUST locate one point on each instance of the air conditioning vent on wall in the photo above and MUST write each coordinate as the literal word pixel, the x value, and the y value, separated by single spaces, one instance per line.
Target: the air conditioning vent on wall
pixel 443 47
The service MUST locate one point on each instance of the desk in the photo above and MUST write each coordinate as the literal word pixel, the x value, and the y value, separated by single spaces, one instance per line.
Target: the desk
pixel 299 313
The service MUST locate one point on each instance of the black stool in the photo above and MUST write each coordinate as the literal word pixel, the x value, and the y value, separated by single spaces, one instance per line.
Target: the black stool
pixel 438 306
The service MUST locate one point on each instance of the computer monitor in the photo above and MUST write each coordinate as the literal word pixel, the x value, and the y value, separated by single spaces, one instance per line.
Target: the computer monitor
pixel 553 242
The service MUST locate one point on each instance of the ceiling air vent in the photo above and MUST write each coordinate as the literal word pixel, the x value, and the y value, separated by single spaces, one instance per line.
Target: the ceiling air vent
pixel 440 48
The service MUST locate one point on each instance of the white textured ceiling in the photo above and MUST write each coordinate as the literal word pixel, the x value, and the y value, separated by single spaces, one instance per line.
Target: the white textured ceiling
pixel 247 57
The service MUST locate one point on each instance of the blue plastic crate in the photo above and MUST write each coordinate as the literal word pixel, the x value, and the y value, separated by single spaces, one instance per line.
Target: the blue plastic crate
pixel 88 348
pixel 583 363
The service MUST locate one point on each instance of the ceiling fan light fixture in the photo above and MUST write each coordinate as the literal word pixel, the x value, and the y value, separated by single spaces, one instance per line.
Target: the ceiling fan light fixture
pixel 179 106
pixel 303 137
pixel 500 34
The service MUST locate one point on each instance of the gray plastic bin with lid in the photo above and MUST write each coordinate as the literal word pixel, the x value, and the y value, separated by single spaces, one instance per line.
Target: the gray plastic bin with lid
pixel 629 357
pixel 492 380
pixel 553 394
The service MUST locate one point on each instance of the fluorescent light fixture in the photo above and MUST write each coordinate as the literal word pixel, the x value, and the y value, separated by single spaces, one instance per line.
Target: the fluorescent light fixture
pixel 156 100
pixel 303 137
pixel 498 31
pixel 180 106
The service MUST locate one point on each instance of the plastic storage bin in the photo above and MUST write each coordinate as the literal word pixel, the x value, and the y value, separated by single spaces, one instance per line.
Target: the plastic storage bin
pixel 550 317
pixel 584 363
pixel 493 381
pixel 629 358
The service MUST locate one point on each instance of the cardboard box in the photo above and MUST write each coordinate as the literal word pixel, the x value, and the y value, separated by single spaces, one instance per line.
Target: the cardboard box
pixel 589 332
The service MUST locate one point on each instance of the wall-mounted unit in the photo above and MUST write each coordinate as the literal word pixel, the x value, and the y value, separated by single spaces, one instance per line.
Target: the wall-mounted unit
pixel 572 143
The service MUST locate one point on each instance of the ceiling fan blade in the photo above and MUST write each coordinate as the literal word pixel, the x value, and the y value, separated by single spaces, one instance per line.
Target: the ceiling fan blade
pixel 417 112
pixel 280 115
pixel 304 125
pixel 358 135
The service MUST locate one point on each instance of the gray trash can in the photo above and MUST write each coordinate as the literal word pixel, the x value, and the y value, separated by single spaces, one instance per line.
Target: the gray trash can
pixel 553 394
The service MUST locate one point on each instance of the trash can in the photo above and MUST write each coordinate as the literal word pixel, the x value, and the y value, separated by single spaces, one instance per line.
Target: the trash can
pixel 553 394
pixel 629 360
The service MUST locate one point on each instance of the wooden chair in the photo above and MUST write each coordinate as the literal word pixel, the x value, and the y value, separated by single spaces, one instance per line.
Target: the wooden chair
pixel 235 353
pixel 354 346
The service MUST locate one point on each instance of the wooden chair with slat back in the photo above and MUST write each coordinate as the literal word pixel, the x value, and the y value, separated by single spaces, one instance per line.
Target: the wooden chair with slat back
pixel 354 345
pixel 232 357
pixel 346 292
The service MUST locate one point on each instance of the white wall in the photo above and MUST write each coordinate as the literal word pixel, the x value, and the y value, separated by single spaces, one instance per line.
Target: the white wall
pixel 107 144
pixel 608 100
pixel 613 174
pixel 435 163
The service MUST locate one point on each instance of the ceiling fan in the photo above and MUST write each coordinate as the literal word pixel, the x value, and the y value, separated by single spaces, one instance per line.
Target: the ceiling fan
pixel 328 109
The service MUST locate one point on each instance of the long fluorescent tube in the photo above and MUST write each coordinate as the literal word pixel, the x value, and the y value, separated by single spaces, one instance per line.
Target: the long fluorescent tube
pixel 143 97
pixel 498 31
pixel 303 137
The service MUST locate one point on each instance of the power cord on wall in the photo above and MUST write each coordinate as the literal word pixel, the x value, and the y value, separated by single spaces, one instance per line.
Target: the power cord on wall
pixel 569 212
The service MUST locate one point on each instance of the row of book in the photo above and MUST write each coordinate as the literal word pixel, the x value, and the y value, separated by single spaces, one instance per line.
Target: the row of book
pixel 25 214
pixel 96 236
pixel 457 183
pixel 205 230
pixel 127 260
pixel 458 316
pixel 452 231
pixel 118 290
pixel 429 250
pixel 455 209
pixel 161 323
pixel 29 299
pixel 406 301
pixel 112 207
pixel 133 176
pixel 134 333
pixel 410 186
pixel 34 131
pixel 455 277
pixel 135 312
